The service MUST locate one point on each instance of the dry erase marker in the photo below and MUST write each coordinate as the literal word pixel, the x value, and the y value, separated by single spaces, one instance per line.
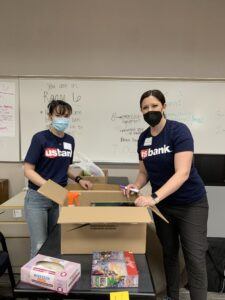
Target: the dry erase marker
pixel 131 189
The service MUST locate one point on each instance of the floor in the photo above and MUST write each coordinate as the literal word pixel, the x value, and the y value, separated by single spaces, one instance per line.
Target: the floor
pixel 184 295
pixel 5 293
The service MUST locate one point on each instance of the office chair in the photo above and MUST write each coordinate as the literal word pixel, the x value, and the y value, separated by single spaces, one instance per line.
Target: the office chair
pixel 5 263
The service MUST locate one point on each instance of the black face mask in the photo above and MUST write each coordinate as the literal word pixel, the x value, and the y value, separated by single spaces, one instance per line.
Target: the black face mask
pixel 153 117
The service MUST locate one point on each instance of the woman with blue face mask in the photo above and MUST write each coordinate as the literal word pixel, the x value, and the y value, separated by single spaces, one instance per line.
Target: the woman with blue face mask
pixel 49 157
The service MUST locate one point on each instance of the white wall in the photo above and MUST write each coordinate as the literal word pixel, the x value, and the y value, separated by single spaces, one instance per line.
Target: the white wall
pixel 134 38
pixel 154 38
pixel 13 172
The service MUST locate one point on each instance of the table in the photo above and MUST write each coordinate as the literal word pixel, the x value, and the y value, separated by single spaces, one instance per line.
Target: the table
pixel 82 289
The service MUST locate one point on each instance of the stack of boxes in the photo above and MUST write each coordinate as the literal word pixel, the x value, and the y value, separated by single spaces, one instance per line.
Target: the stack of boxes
pixel 15 230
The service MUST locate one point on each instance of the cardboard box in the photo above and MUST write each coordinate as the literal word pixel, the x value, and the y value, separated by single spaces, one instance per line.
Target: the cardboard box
pixel 18 242
pixel 51 273
pixel 114 269
pixel 15 230
pixel 13 209
pixel 89 227
pixel 4 190
pixel 19 251
pixel 59 194
pixel 95 179
pixel 95 187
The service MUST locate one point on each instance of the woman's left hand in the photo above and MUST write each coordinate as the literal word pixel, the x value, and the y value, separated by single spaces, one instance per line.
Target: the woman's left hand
pixel 87 185
pixel 145 201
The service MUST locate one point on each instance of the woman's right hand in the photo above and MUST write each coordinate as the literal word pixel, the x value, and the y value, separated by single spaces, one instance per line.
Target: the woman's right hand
pixel 86 184
pixel 127 191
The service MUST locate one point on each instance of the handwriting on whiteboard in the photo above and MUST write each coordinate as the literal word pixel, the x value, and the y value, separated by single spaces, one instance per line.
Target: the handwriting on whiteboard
pixel 7 109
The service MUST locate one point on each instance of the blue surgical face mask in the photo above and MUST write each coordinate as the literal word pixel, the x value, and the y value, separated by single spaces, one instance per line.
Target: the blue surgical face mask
pixel 60 123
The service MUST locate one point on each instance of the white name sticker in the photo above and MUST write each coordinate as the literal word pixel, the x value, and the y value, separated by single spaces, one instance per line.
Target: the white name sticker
pixel 148 141
pixel 17 213
pixel 67 146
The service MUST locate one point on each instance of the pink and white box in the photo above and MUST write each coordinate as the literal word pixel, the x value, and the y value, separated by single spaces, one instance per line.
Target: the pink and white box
pixel 51 273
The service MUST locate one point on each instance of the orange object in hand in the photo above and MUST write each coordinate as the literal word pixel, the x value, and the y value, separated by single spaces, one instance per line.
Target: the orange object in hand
pixel 70 199
pixel 73 199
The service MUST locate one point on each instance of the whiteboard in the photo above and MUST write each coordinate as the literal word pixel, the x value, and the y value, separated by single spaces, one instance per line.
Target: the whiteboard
pixel 107 122
pixel 9 120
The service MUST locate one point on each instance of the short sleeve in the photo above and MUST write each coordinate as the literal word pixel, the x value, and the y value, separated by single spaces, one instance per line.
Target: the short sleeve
pixel 73 147
pixel 34 151
pixel 139 148
pixel 182 139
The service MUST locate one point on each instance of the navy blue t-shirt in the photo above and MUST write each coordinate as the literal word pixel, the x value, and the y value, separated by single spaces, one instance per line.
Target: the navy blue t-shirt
pixel 51 156
pixel 157 154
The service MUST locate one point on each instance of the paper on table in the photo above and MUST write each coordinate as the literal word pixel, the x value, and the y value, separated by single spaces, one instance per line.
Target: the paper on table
pixel 119 295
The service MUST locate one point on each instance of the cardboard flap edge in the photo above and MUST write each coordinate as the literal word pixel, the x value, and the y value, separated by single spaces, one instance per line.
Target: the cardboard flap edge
pixel 69 215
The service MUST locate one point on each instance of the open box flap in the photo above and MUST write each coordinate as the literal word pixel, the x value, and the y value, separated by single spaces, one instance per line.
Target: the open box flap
pixel 95 187
pixel 54 191
pixel 120 215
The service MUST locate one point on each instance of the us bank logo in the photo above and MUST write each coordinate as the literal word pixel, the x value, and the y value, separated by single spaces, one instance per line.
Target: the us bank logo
pixel 55 152
pixel 157 151
pixel 144 153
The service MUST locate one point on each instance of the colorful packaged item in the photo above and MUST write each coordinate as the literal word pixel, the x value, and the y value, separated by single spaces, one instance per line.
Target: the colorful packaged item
pixel 51 273
pixel 114 269
pixel 73 199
